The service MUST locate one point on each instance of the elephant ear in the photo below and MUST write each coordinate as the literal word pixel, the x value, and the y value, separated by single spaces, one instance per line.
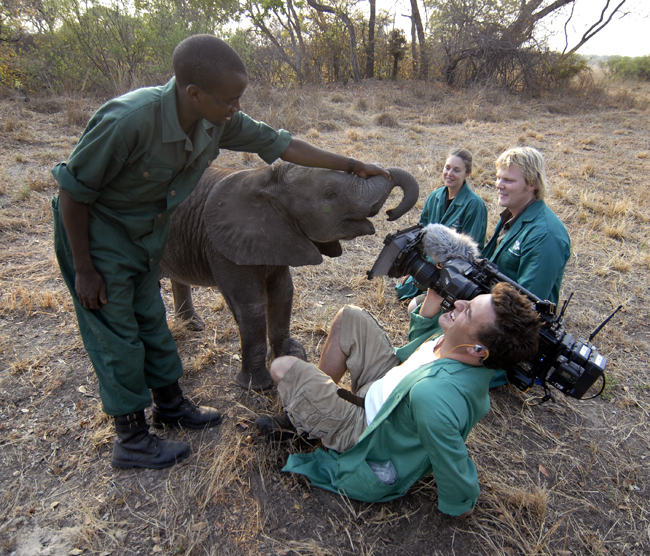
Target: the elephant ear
pixel 247 223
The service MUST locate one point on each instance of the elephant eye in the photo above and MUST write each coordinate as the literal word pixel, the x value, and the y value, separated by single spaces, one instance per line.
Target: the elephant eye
pixel 330 193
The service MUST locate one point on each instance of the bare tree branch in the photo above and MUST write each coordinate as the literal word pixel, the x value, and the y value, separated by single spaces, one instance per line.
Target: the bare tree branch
pixel 596 27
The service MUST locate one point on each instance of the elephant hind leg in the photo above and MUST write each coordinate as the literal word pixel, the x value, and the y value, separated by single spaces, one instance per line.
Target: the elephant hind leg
pixel 183 306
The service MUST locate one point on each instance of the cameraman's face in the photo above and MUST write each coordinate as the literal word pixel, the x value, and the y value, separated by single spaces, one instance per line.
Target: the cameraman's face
pixel 514 192
pixel 462 325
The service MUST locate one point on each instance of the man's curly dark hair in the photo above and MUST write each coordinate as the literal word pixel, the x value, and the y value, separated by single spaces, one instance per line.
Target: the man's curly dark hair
pixel 515 333
pixel 203 60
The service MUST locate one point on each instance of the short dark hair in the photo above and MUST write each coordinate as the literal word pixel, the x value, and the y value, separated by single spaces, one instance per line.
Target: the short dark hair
pixel 465 156
pixel 202 60
pixel 515 333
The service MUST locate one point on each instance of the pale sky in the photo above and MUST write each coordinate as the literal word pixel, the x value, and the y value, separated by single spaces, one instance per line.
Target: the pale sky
pixel 627 36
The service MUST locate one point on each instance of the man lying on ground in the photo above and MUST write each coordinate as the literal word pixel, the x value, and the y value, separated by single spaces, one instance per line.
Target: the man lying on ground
pixel 414 406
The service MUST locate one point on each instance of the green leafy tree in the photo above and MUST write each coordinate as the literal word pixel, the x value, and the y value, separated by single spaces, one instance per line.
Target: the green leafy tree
pixel 17 17
pixel 630 68
pixel 341 13
pixel 110 46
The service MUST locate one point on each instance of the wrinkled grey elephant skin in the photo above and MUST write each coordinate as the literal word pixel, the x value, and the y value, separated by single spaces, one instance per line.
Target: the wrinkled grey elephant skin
pixel 241 230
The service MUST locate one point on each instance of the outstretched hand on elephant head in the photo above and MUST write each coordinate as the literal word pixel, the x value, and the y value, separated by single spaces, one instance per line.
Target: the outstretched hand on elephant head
pixel 305 154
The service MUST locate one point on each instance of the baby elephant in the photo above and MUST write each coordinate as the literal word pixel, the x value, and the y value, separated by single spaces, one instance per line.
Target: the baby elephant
pixel 241 230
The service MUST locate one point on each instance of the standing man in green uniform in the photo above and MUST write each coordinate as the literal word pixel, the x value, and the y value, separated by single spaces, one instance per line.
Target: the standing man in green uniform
pixel 139 157
pixel 417 403
pixel 456 206
pixel 530 244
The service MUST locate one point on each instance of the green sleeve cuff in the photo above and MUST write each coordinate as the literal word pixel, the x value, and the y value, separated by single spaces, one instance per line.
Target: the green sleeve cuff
pixel 77 190
pixel 274 151
pixel 454 508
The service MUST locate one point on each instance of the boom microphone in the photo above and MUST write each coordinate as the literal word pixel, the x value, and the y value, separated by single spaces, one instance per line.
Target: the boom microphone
pixel 442 244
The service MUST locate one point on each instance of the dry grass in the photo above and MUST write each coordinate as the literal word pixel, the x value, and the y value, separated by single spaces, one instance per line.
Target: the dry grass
pixel 563 478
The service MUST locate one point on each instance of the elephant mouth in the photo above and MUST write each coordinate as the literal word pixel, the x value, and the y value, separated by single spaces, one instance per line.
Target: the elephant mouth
pixel 330 248
pixel 346 229
pixel 354 227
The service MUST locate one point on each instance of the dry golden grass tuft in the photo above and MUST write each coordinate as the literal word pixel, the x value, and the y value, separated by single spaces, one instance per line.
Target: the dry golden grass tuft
pixel 532 502
pixel 386 119
pixel 353 136
pixel 588 170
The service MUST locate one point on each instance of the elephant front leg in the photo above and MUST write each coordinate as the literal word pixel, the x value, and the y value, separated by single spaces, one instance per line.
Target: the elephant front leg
pixel 246 298
pixel 183 306
pixel 279 294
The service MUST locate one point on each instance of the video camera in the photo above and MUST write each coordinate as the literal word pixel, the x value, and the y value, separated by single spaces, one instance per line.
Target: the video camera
pixel 573 367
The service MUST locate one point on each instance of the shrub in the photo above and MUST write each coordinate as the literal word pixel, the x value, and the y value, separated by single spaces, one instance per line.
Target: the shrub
pixel 629 68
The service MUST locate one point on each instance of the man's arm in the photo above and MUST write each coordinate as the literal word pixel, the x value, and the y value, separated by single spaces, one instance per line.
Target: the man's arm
pixel 423 325
pixel 431 305
pixel 475 222
pixel 305 154
pixel 542 263
pixel 440 419
pixel 89 284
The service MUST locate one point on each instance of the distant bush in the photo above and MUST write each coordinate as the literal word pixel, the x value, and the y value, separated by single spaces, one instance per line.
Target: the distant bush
pixel 630 68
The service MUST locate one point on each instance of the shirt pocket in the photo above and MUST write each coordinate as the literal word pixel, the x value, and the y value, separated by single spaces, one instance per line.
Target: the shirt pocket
pixel 146 183
pixel 364 484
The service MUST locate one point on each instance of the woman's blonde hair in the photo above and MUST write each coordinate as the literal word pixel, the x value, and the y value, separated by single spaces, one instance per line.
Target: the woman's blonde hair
pixel 530 163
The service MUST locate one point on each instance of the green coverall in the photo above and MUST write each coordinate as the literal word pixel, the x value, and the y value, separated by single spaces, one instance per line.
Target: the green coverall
pixel 421 429
pixel 133 166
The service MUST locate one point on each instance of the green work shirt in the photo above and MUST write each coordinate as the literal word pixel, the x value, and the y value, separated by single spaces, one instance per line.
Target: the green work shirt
pixel 534 252
pixel 420 429
pixel 466 213
pixel 134 164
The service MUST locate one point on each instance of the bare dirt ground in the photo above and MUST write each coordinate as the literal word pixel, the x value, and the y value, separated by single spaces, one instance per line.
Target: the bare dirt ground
pixel 569 477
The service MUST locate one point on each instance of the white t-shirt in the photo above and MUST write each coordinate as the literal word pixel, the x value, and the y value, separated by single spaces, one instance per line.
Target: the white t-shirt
pixel 380 389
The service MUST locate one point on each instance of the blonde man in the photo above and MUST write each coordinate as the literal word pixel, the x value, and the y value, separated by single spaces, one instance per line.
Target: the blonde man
pixel 530 244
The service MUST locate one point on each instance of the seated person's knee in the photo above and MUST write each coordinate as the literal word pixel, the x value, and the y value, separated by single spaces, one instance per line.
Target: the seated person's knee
pixel 280 367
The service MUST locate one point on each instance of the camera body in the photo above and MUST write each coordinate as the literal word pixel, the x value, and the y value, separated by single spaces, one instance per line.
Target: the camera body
pixel 573 367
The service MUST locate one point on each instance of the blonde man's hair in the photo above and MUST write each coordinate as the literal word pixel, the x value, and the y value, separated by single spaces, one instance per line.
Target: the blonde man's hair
pixel 530 163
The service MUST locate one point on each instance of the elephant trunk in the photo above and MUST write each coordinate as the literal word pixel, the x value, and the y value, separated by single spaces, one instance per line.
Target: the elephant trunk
pixel 376 190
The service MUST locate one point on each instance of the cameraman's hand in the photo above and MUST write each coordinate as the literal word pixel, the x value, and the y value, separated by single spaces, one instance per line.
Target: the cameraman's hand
pixel 431 305
pixel 403 279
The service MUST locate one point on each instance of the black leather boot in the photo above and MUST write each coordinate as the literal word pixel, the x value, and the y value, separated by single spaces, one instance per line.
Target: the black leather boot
pixel 277 427
pixel 135 447
pixel 171 408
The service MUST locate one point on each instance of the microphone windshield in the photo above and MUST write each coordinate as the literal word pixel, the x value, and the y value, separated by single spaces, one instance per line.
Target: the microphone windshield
pixel 443 244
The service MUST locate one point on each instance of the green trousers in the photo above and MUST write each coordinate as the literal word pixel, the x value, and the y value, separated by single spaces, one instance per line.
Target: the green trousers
pixel 127 339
